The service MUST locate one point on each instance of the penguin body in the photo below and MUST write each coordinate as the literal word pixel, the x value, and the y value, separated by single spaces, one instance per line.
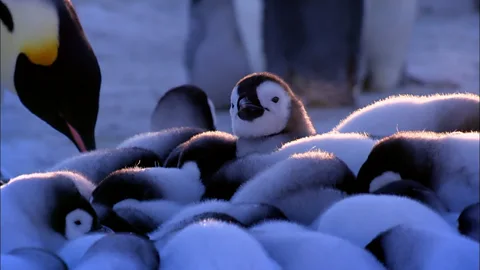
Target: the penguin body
pixel 209 150
pixel 317 59
pixel 31 259
pixel 183 106
pixel 242 214
pixel 47 61
pixel 98 164
pixel 215 56
pixel 302 249
pixel 229 247
pixel 73 250
pixel 352 148
pixel 265 114
pixel 410 247
pixel 146 216
pixel 120 251
pixel 161 142
pixel 179 185
pixel 62 213
pixel 361 218
pixel 469 221
pixel 426 157
pixel 437 113
pixel 302 186
pixel 413 190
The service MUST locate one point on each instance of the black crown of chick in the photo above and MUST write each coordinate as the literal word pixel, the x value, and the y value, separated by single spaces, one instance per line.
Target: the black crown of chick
pixel 47 61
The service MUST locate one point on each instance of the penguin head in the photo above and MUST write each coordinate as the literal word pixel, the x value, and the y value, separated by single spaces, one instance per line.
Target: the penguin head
pixel 260 105
pixel 60 200
pixel 48 62
pixel 188 101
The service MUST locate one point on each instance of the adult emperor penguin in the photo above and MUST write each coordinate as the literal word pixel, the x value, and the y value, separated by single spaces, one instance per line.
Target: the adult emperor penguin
pixel 314 45
pixel 48 62
pixel 387 28
pixel 215 56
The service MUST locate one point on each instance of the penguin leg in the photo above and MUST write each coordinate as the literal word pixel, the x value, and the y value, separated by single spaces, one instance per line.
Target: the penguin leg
pixel 322 93
pixel 407 79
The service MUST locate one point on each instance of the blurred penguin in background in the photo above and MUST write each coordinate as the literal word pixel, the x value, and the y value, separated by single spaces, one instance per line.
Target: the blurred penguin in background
pixel 47 61
pixel 183 106
pixel 387 30
pixel 215 56
pixel 314 45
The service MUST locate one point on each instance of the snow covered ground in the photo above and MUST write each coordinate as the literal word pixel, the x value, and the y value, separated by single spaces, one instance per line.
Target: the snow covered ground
pixel 139 45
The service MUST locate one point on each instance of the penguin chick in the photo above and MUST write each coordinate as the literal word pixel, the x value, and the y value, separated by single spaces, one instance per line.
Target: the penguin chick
pixel 147 216
pixel 301 249
pixel 414 190
pixel 242 214
pixel 361 218
pixel 414 248
pixel 120 251
pixel 47 61
pixel 352 148
pixel 31 259
pixel 229 247
pixel 469 222
pixel 161 142
pixel 447 163
pixel 209 150
pixel 73 250
pixel 179 185
pixel 183 106
pixel 302 186
pixel 265 114
pixel 437 113
pixel 98 164
pixel 45 210
pixel 278 226
pixel 202 218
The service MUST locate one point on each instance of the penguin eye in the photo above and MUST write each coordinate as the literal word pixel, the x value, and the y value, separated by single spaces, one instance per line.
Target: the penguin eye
pixel 232 105
pixel 275 99
pixel 77 222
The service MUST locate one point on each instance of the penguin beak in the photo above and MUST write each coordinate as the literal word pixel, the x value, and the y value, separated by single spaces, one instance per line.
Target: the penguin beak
pixel 248 111
pixel 80 141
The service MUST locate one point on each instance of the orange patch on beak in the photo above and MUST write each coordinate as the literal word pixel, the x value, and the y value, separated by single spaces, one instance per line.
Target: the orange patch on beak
pixel 77 138
pixel 43 53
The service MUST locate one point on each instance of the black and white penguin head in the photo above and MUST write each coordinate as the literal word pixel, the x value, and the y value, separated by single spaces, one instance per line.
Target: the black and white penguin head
pixel 185 105
pixel 260 105
pixel 63 205
pixel 59 84
pixel 77 223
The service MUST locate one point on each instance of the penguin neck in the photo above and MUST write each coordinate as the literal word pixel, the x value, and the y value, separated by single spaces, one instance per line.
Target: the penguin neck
pixel 262 145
